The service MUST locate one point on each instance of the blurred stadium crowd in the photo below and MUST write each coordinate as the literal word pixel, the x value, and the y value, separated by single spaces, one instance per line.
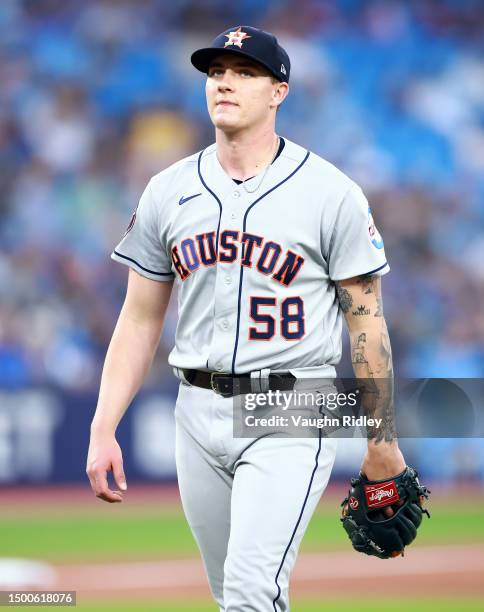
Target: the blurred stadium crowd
pixel 98 96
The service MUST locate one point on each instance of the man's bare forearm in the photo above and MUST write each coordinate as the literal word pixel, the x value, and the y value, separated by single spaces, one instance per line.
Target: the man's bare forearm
pixel 131 349
pixel 371 353
pixel 372 363
pixel 128 360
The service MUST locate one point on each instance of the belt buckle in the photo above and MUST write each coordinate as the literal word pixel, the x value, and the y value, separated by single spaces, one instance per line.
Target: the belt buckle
pixel 212 384
pixel 216 388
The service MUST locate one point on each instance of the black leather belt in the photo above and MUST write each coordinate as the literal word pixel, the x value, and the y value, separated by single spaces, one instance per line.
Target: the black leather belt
pixel 229 385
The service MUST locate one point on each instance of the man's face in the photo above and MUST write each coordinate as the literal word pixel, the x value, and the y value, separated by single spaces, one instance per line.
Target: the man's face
pixel 240 93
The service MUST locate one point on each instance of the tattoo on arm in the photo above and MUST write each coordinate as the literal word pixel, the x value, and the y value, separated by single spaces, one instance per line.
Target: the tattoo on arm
pixel 361 311
pixel 345 299
pixel 386 354
pixel 368 284
pixel 379 311
pixel 359 359
pixel 376 384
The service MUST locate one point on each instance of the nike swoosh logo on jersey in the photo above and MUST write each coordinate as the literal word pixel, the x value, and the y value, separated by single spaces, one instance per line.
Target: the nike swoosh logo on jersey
pixel 182 200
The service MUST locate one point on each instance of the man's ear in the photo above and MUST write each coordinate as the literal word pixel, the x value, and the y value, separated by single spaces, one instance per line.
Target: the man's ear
pixel 280 93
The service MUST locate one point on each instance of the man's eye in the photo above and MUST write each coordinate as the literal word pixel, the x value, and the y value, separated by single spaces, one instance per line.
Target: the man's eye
pixel 214 72
pixel 246 73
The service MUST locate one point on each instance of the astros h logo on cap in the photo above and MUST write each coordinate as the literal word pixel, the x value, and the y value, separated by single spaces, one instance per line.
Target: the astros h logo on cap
pixel 258 45
pixel 236 38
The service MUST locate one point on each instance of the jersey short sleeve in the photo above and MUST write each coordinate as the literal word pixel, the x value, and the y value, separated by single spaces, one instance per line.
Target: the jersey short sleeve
pixel 141 247
pixel 356 246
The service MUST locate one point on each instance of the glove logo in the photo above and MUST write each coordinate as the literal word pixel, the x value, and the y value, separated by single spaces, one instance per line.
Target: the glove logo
pixel 354 503
pixel 382 494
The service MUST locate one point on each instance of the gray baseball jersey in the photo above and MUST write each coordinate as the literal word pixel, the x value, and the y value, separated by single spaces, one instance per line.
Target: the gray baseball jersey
pixel 254 263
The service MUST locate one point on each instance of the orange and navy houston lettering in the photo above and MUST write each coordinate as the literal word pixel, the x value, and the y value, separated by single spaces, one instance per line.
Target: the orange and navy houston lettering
pixel 190 254
pixel 289 268
pixel 269 248
pixel 201 251
pixel 248 241
pixel 227 239
pixel 182 272
pixel 202 241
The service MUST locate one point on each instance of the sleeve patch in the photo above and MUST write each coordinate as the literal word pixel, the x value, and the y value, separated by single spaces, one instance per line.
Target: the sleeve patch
pixel 375 237
pixel 131 223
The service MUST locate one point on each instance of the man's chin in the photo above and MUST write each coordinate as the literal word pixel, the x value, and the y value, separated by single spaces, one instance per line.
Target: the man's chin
pixel 226 124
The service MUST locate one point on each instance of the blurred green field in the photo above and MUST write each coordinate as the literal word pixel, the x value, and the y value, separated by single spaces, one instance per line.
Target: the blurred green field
pixel 127 533
pixel 133 531
pixel 317 606
pixel 332 605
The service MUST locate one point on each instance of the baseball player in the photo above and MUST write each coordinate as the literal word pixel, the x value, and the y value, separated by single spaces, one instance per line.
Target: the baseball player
pixel 270 247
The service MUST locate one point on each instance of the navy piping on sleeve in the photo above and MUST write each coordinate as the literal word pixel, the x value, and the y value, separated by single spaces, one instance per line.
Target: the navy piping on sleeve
pixel 375 270
pixel 316 461
pixel 142 267
pixel 234 356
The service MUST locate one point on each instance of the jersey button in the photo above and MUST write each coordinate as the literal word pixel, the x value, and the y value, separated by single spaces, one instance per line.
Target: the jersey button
pixel 233 215
pixel 224 324
pixel 219 367
pixel 236 194
pixel 228 280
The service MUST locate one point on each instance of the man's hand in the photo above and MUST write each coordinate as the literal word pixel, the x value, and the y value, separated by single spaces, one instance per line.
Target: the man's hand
pixel 104 456
pixel 382 461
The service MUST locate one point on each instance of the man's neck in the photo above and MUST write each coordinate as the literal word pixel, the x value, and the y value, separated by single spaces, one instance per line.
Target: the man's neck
pixel 245 155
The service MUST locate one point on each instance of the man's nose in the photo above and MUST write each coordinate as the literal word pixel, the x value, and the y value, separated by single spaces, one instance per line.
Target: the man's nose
pixel 226 83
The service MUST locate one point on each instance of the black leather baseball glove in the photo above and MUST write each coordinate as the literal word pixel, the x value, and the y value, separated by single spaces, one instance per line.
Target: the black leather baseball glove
pixel 368 525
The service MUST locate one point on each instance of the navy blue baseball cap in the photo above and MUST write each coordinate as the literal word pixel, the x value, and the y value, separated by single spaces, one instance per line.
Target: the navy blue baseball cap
pixel 260 46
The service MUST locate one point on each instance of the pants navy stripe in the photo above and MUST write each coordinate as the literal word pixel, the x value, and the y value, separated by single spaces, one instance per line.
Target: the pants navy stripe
pixel 297 524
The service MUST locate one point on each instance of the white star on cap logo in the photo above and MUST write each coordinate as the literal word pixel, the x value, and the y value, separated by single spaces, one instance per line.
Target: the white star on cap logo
pixel 236 38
